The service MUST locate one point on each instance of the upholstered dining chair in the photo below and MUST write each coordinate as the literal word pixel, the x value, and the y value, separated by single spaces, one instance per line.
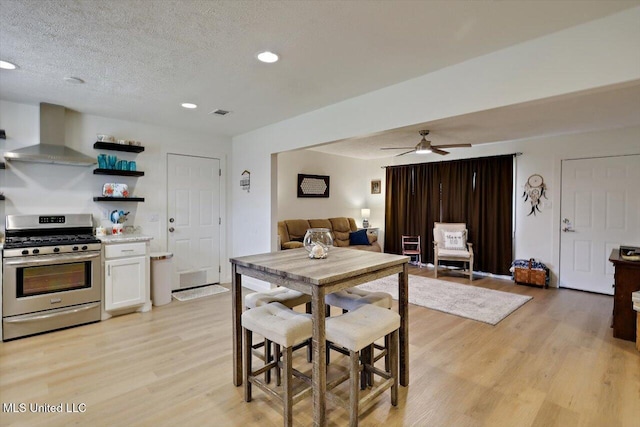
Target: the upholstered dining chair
pixel 450 244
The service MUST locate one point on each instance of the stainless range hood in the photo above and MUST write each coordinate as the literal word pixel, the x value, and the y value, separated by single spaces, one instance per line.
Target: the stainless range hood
pixel 52 138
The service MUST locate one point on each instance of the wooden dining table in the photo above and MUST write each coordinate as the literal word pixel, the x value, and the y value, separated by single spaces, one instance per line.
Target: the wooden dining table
pixel 343 268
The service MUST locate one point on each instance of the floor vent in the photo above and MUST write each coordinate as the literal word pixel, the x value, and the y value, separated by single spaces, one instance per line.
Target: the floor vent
pixel 195 278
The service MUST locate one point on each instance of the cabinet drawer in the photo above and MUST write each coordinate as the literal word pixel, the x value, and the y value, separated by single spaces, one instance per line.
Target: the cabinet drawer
pixel 126 249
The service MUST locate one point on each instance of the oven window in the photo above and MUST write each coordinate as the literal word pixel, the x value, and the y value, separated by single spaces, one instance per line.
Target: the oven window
pixel 53 278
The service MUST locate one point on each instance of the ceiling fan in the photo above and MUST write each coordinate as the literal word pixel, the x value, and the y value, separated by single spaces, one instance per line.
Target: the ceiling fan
pixel 425 146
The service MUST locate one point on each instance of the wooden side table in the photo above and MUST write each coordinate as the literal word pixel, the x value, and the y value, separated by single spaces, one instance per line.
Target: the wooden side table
pixel 627 281
pixel 371 230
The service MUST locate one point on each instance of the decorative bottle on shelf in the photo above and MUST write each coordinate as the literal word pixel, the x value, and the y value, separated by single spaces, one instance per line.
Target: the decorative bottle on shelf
pixel 317 242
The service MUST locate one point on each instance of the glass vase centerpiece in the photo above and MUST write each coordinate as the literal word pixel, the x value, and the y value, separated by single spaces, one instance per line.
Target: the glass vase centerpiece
pixel 317 242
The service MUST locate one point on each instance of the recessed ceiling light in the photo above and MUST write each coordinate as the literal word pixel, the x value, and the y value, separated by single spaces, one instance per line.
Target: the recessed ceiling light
pixel 7 65
pixel 74 80
pixel 189 105
pixel 268 57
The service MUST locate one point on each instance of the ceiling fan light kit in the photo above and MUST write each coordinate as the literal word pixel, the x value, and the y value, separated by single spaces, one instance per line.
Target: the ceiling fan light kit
pixel 425 147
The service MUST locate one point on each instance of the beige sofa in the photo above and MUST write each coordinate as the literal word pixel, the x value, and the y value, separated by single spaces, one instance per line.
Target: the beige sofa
pixel 291 233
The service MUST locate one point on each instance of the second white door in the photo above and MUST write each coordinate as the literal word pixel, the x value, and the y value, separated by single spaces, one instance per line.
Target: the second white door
pixel 194 219
pixel 600 211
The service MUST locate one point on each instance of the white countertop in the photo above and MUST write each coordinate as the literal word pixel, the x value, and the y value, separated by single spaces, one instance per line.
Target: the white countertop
pixel 125 238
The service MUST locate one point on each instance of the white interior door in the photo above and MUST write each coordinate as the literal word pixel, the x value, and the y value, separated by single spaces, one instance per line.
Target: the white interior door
pixel 600 211
pixel 194 219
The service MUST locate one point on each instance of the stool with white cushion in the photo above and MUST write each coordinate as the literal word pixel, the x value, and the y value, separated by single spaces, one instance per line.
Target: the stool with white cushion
pixel 353 298
pixel 288 298
pixel 356 330
pixel 285 328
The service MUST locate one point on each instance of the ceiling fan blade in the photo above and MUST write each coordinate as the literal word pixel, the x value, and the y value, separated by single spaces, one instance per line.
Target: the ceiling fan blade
pixel 407 152
pixel 453 145
pixel 396 148
pixel 438 151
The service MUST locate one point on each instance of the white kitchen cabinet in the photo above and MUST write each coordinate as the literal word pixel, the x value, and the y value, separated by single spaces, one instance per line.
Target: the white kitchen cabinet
pixel 126 276
pixel 125 282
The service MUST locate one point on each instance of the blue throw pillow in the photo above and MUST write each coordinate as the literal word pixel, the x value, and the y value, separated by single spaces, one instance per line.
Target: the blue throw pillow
pixel 359 238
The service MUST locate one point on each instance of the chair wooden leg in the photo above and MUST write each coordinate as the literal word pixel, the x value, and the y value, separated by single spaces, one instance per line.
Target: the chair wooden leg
pixel 267 358
pixel 327 313
pixel 393 361
pixel 287 387
pixel 309 346
pixel 353 388
pixel 387 345
pixel 247 364
pixel 278 354
pixel 363 374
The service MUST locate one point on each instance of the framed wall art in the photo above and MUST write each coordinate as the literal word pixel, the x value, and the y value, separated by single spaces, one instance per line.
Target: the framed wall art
pixel 313 185
pixel 376 185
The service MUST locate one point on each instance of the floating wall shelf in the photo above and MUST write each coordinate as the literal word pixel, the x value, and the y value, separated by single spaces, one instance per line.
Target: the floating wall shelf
pixel 118 199
pixel 117 172
pixel 118 147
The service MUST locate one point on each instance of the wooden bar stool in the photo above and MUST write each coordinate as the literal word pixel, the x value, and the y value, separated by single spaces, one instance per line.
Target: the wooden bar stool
pixel 356 330
pixel 288 298
pixel 285 328
pixel 351 299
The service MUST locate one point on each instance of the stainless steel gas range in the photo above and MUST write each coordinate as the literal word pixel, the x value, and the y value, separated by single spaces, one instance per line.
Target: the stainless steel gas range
pixel 52 275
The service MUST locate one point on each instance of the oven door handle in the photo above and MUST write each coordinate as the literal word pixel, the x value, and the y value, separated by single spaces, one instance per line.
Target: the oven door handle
pixel 53 259
pixel 31 318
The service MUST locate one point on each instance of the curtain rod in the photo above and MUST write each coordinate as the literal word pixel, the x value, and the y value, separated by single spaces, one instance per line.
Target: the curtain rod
pixel 516 154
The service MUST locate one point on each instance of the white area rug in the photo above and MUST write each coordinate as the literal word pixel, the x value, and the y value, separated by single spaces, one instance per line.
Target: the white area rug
pixel 204 291
pixel 472 302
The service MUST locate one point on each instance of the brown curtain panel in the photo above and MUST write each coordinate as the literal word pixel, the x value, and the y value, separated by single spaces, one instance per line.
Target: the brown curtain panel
pixel 478 192
pixel 492 214
pixel 412 203
pixel 456 179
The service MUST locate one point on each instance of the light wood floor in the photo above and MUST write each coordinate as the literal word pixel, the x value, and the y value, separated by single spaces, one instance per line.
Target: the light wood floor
pixel 553 362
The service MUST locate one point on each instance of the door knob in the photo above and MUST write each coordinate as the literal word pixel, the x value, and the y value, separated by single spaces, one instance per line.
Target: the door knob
pixel 171 220
pixel 171 229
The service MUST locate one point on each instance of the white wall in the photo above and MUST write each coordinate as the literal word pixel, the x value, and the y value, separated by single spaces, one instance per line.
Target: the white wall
pixel 596 54
pixel 33 188
pixel 350 187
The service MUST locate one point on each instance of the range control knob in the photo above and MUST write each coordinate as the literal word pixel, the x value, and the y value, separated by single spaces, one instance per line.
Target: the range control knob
pixel 56 249
pixel 36 251
pixel 84 248
pixel 75 248
pixel 25 252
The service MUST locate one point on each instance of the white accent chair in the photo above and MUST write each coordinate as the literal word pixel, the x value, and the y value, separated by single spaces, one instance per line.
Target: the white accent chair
pixel 450 244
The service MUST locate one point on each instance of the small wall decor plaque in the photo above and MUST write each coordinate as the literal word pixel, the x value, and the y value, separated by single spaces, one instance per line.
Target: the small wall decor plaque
pixel 376 186
pixel 534 190
pixel 245 180
pixel 313 185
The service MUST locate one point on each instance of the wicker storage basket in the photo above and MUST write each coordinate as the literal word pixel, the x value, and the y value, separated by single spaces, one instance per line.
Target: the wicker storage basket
pixel 530 276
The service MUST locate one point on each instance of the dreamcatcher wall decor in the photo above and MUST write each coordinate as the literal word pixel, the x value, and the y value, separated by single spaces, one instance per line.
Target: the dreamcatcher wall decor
pixel 534 191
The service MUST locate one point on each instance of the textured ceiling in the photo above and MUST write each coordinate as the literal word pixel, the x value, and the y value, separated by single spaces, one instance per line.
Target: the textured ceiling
pixel 141 59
